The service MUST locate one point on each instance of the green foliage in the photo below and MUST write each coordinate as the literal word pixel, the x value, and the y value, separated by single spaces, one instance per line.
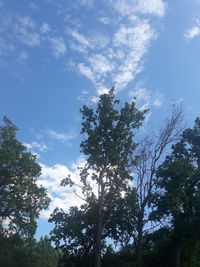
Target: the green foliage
pixel 122 223
pixel 73 231
pixel 44 254
pixel 178 189
pixel 21 200
pixel 108 146
pixel 124 257
pixel 16 252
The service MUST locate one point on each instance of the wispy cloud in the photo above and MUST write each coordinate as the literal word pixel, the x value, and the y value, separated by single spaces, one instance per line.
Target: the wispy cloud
pixel 35 145
pixel 105 20
pixel 153 7
pixel 117 59
pixel 60 136
pixel 135 42
pixel 128 7
pixel 45 28
pixel 100 64
pixel 25 32
pixel 194 31
pixel 145 98
pixel 109 55
pixel 58 46
pixel 99 40
pixel 82 42
pixel 86 71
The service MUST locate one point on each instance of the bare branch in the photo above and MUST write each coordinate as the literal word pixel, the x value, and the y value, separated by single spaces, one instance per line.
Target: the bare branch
pixel 151 152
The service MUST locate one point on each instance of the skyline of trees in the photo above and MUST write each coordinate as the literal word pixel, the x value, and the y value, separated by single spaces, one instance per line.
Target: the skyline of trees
pixel 143 211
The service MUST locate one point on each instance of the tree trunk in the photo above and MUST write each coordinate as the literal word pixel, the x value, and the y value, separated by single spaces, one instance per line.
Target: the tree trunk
pixel 178 239
pixel 97 245
pixel 139 241
pixel 177 256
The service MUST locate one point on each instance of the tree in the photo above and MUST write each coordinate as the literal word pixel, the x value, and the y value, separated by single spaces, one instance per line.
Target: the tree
pixel 44 254
pixel 108 146
pixel 177 200
pixel 18 252
pixel 150 154
pixel 73 233
pixel 21 199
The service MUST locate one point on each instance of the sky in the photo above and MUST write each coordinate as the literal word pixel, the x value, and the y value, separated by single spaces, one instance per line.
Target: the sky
pixel 56 56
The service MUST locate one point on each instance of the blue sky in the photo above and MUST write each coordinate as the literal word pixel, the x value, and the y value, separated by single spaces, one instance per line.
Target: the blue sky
pixel 56 56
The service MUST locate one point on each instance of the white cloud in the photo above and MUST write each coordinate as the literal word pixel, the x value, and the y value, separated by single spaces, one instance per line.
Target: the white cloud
pixel 86 71
pixel 94 99
pixel 102 90
pixel 25 31
pixel 45 28
pixel 105 20
pixel 154 7
pixel 99 40
pixel 35 145
pixel 145 98
pixel 62 197
pixel 111 56
pixel 193 32
pixel 119 62
pixel 60 136
pixel 83 95
pixel 80 38
pixel 136 36
pixel 26 22
pixel 121 57
pixel 82 43
pixel 128 7
pixel 100 64
pixel 114 56
pixel 134 41
pixel 58 46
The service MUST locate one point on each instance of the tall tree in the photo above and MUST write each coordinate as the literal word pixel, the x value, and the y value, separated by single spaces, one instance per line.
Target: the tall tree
pixel 150 154
pixel 108 146
pixel 21 199
pixel 177 200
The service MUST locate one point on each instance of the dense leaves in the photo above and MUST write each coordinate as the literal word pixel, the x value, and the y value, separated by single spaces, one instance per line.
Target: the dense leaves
pixel 108 146
pixel 178 191
pixel 16 252
pixel 21 200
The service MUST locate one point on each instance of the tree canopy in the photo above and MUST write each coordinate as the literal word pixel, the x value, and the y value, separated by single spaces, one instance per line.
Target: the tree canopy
pixel 108 147
pixel 21 199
